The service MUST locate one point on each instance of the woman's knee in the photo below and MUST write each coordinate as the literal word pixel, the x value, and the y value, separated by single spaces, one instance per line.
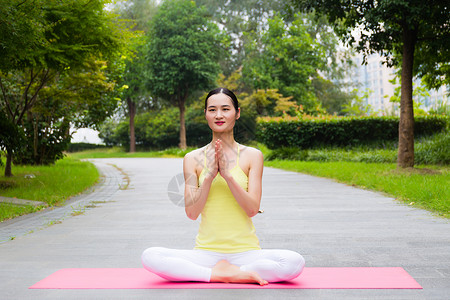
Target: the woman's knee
pixel 296 264
pixel 151 257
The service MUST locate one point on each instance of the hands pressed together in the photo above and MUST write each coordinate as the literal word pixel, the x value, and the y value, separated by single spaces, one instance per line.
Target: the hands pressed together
pixel 220 163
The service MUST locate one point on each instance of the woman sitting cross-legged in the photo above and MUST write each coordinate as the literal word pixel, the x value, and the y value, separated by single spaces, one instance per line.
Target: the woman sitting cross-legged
pixel 225 189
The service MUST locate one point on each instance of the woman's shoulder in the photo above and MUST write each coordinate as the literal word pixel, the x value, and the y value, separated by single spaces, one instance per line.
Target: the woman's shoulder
pixel 250 149
pixel 250 152
pixel 195 153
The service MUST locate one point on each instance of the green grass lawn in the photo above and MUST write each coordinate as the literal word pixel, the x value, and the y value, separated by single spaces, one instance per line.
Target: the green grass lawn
pixel 424 187
pixel 9 211
pixel 52 184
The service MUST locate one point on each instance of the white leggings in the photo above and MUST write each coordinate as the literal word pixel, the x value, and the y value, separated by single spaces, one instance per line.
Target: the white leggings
pixel 272 265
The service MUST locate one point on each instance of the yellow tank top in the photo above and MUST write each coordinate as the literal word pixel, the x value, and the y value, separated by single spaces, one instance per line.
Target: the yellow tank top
pixel 224 226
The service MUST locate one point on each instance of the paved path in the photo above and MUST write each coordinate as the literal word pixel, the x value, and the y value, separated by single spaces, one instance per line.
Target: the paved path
pixel 331 224
pixel 110 182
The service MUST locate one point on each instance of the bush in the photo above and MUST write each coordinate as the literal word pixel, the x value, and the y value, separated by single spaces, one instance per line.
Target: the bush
pixel 153 130
pixel 158 129
pixel 429 150
pixel 341 132
pixel 288 153
pixel 114 133
pixel 197 130
pixel 334 154
pixel 45 143
pixel 435 150
pixel 161 129
pixel 75 147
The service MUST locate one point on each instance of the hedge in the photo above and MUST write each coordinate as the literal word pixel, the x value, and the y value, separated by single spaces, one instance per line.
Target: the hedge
pixel 161 129
pixel 75 147
pixel 340 131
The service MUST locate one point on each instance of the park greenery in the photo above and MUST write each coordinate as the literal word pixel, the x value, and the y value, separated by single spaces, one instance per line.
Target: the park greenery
pixel 138 71
pixel 60 64
pixel 412 35
pixel 73 177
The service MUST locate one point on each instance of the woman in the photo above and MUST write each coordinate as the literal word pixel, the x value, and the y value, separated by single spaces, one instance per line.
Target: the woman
pixel 225 188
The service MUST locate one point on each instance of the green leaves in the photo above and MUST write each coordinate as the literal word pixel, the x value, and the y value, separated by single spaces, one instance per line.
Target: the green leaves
pixel 286 58
pixel 184 48
pixel 59 63
pixel 381 25
pixel 346 131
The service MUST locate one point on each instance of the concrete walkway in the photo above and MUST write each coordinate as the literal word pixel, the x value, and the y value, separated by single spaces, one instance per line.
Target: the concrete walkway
pixel 331 224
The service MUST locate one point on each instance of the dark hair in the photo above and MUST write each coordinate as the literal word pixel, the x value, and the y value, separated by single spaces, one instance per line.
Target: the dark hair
pixel 226 92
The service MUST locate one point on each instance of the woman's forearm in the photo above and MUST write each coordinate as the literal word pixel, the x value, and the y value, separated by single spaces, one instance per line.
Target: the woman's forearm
pixel 249 203
pixel 195 198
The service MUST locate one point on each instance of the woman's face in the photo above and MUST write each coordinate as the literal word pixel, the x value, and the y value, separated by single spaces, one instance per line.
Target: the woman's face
pixel 220 113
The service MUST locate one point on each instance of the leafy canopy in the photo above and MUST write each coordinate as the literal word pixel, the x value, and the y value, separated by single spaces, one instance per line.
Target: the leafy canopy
pixel 56 34
pixel 381 25
pixel 286 59
pixel 184 47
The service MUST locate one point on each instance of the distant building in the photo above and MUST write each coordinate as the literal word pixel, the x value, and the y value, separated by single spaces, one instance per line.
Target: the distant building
pixel 373 78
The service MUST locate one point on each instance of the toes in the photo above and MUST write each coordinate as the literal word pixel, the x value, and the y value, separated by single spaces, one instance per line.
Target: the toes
pixel 263 282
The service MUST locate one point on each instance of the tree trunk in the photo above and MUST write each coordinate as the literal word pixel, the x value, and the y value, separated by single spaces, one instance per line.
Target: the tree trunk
pixel 406 125
pixel 132 111
pixel 182 144
pixel 34 122
pixel 8 172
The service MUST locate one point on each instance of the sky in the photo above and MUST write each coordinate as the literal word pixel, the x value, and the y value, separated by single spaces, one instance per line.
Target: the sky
pixel 85 135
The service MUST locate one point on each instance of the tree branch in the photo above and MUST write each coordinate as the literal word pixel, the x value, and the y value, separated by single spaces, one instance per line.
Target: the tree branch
pixel 17 6
pixel 44 80
pixel 25 93
pixel 29 105
pixel 24 96
pixel 8 106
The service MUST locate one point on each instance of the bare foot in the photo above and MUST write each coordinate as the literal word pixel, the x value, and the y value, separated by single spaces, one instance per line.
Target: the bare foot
pixel 223 271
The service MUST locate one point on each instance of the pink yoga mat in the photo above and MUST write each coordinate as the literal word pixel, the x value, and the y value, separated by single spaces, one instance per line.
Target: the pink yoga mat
pixel 311 278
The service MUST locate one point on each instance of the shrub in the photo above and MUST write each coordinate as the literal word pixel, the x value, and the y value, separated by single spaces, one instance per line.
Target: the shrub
pixel 288 153
pixel 197 130
pixel 75 147
pixel 429 150
pixel 334 154
pixel 161 129
pixel 435 150
pixel 336 131
pixel 157 129
pixel 115 133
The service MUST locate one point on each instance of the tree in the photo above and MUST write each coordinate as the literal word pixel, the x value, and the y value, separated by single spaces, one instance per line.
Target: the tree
pixel 244 22
pixel 286 59
pixel 238 18
pixel 412 34
pixel 184 48
pixel 358 106
pixel 140 12
pixel 58 36
pixel 11 139
pixel 84 98
pixel 331 95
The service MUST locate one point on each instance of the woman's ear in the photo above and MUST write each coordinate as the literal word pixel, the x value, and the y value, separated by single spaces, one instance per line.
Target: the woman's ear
pixel 238 113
